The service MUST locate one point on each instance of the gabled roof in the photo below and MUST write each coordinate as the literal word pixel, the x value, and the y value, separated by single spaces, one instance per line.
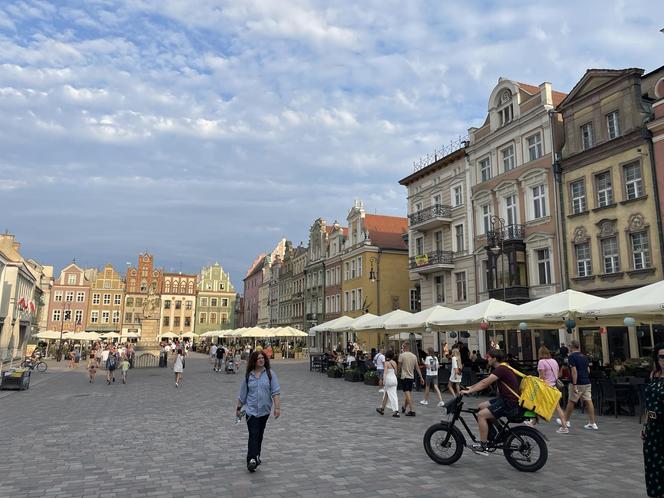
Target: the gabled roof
pixel 593 73
pixel 386 231
pixel 556 96
pixel 256 266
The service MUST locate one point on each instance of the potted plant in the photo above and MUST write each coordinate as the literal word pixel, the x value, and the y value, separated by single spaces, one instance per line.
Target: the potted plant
pixel 334 372
pixel 353 375
pixel 371 378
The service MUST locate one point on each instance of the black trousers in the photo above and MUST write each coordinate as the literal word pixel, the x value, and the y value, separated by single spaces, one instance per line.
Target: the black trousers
pixel 256 426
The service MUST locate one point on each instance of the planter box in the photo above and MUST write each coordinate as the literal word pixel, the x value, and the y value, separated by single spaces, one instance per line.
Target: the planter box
pixel 371 381
pixel 353 377
pixel 334 374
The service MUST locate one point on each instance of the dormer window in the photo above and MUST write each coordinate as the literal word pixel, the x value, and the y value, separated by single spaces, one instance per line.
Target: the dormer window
pixel 505 111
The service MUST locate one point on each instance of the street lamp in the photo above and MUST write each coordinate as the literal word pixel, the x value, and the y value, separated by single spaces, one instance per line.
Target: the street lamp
pixel 498 248
pixel 66 308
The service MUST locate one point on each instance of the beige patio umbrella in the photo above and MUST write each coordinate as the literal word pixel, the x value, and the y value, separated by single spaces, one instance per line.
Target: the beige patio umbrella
pixel 47 334
pixel 289 332
pixel 257 332
pixel 168 335
pixel 190 335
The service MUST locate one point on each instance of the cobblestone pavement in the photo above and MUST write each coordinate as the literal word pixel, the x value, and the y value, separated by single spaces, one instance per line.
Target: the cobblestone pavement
pixel 65 438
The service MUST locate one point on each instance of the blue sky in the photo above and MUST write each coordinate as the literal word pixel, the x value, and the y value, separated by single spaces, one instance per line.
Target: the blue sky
pixel 206 130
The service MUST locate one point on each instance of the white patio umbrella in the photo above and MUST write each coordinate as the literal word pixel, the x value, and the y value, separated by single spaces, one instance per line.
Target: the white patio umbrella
pixel 189 335
pixel 326 327
pixel 471 316
pixel 419 320
pixel 131 335
pixel 643 304
pixel 346 326
pixel 288 332
pixel 380 322
pixel 549 310
pixel 168 335
pixel 110 335
pixel 47 334
pixel 257 333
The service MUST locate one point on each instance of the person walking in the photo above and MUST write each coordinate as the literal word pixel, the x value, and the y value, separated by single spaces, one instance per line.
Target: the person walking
pixel 219 359
pixel 258 393
pixel 408 363
pixel 390 385
pixel 579 389
pixel 125 368
pixel 92 368
pixel 213 355
pixel 111 365
pixel 178 367
pixel 455 373
pixel 379 361
pixel 432 364
pixel 549 372
pixel 653 428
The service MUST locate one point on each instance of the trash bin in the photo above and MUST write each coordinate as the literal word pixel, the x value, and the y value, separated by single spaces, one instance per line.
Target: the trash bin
pixel 16 379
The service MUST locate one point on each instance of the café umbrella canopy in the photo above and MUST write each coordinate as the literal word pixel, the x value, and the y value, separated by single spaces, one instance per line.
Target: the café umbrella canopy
pixel 645 304
pixel 420 320
pixel 48 334
pixel 404 336
pixel 168 335
pixel 380 322
pixel 289 332
pixel 327 326
pixel 472 316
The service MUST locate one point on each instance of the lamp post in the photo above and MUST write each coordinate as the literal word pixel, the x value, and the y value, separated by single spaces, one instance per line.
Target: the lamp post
pixel 499 238
pixel 66 308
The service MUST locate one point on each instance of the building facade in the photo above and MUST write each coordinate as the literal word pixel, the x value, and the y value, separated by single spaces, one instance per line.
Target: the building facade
pixel 300 258
pixel 106 302
pixel 611 217
pixel 70 299
pixel 139 280
pixel 252 282
pixel 333 272
pixel 215 300
pixel 178 303
pixel 314 290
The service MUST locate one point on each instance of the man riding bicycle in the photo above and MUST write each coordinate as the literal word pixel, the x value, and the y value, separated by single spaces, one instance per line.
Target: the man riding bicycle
pixel 505 405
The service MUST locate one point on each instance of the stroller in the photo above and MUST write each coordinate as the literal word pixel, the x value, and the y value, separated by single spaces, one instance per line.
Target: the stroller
pixel 230 366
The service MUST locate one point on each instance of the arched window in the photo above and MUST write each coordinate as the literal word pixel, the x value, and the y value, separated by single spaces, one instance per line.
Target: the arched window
pixel 505 109
pixel 167 286
pixel 191 288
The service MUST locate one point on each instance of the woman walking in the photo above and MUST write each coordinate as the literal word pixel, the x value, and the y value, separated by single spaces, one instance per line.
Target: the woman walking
pixel 653 428
pixel 178 367
pixel 259 390
pixel 92 368
pixel 455 374
pixel 390 385
pixel 549 372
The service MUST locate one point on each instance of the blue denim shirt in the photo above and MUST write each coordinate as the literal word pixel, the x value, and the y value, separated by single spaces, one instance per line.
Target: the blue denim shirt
pixel 258 398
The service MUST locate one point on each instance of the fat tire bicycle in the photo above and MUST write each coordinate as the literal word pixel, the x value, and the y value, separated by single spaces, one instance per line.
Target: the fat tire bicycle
pixel 523 447
pixel 38 365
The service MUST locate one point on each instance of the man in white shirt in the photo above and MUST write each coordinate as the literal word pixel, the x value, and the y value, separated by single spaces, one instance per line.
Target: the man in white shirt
pixel 379 361
pixel 213 353
pixel 432 364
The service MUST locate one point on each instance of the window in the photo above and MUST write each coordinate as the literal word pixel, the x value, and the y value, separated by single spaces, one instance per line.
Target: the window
pixel 346 301
pixel 167 286
pixel 117 299
pixel 71 279
pixel 587 136
pixel 78 316
pixel 128 318
pixel 578 193
pixel 167 321
pixel 539 202
pixel 221 286
pixel 544 266
pixel 610 255
pixel 139 301
pixel 457 195
pixel 116 317
pixel 94 317
pixel 69 296
pixel 439 289
pixel 66 316
pixel 224 302
pixel 640 250
pixel 353 303
pixel 187 304
pixel 486 218
pixel 56 315
pixel 414 301
pixel 176 321
pixel 633 180
pixel 347 273
pixel 461 294
pixel 105 317
pixel 167 304
pixel 352 269
pixel 604 189
pixel 437 200
pixel 584 266
pixel 178 304
pixel 484 274
pixel 80 297
pixel 130 301
pixel 187 320
pixel 458 234
pixel 95 298
pixel 359 266
pixel 213 318
pixel 214 302
pixel 612 125
pixel 58 297
pixel 417 207
pixel 107 299
pixel 510 210
pixel 505 115
pixel 224 317
pixel 438 240
pixel 419 246
pixel 534 146
pixel 508 158
pixel 485 169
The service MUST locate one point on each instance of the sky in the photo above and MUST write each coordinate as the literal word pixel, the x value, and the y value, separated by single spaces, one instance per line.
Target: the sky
pixel 207 130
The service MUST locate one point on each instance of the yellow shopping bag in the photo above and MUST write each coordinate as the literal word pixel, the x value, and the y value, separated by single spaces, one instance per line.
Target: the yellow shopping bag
pixel 536 395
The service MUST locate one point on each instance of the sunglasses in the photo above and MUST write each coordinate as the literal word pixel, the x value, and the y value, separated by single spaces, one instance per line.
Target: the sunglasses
pixel 660 356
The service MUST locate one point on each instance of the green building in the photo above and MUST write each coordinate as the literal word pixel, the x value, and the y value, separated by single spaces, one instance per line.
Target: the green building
pixel 215 300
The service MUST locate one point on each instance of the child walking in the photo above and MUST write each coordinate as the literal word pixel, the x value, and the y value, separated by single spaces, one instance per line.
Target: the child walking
pixel 92 368
pixel 125 368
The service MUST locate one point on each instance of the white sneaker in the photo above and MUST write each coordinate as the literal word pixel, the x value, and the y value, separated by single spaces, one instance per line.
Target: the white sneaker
pixel 424 402
pixel 591 427
pixel 441 404
pixel 560 422
pixel 381 390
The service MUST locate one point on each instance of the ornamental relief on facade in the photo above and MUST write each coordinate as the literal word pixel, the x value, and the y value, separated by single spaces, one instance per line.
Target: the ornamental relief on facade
pixel 637 223
pixel 607 228
pixel 581 235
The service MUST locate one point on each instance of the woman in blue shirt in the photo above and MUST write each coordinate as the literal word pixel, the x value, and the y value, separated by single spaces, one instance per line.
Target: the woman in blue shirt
pixel 257 392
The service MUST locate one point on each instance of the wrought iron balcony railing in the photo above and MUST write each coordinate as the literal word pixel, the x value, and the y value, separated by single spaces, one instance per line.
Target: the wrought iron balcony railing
pixel 435 211
pixel 510 232
pixel 431 258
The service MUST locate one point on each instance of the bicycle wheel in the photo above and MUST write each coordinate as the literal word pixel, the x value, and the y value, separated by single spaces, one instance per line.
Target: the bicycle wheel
pixel 525 449
pixel 438 450
pixel 42 367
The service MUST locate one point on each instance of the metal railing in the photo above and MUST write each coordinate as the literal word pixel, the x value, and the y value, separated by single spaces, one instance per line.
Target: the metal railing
pixel 445 150
pixel 431 258
pixel 435 211
pixel 510 232
pixel 146 360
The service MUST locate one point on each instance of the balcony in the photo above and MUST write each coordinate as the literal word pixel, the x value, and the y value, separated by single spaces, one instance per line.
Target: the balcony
pixel 517 294
pixel 508 234
pixel 434 216
pixel 311 317
pixel 432 261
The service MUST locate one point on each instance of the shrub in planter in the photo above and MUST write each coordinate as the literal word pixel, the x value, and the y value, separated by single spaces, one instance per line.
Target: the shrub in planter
pixel 334 373
pixel 371 378
pixel 353 375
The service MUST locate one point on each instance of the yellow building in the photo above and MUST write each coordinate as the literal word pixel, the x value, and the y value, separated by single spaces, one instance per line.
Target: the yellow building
pixel 374 268
pixel 106 303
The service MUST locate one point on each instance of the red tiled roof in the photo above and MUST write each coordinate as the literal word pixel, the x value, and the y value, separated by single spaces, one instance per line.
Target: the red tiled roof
pixel 386 231
pixel 556 96
pixel 256 266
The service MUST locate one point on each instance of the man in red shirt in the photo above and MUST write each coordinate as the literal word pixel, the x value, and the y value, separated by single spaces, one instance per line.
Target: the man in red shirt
pixel 507 402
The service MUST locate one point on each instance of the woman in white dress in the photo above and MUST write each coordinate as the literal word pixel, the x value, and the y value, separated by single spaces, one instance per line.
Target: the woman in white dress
pixel 390 385
pixel 455 374
pixel 178 367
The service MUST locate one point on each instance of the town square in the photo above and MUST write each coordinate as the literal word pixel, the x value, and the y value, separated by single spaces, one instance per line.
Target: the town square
pixel 259 248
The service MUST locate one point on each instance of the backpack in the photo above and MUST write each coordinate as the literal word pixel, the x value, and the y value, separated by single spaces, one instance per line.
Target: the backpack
pixel 111 360
pixel 536 395
pixel 220 353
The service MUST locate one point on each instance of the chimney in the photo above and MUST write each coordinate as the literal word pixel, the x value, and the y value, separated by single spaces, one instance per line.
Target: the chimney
pixel 545 92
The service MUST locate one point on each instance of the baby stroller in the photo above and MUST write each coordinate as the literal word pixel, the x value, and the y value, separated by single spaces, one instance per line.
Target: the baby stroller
pixel 230 366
